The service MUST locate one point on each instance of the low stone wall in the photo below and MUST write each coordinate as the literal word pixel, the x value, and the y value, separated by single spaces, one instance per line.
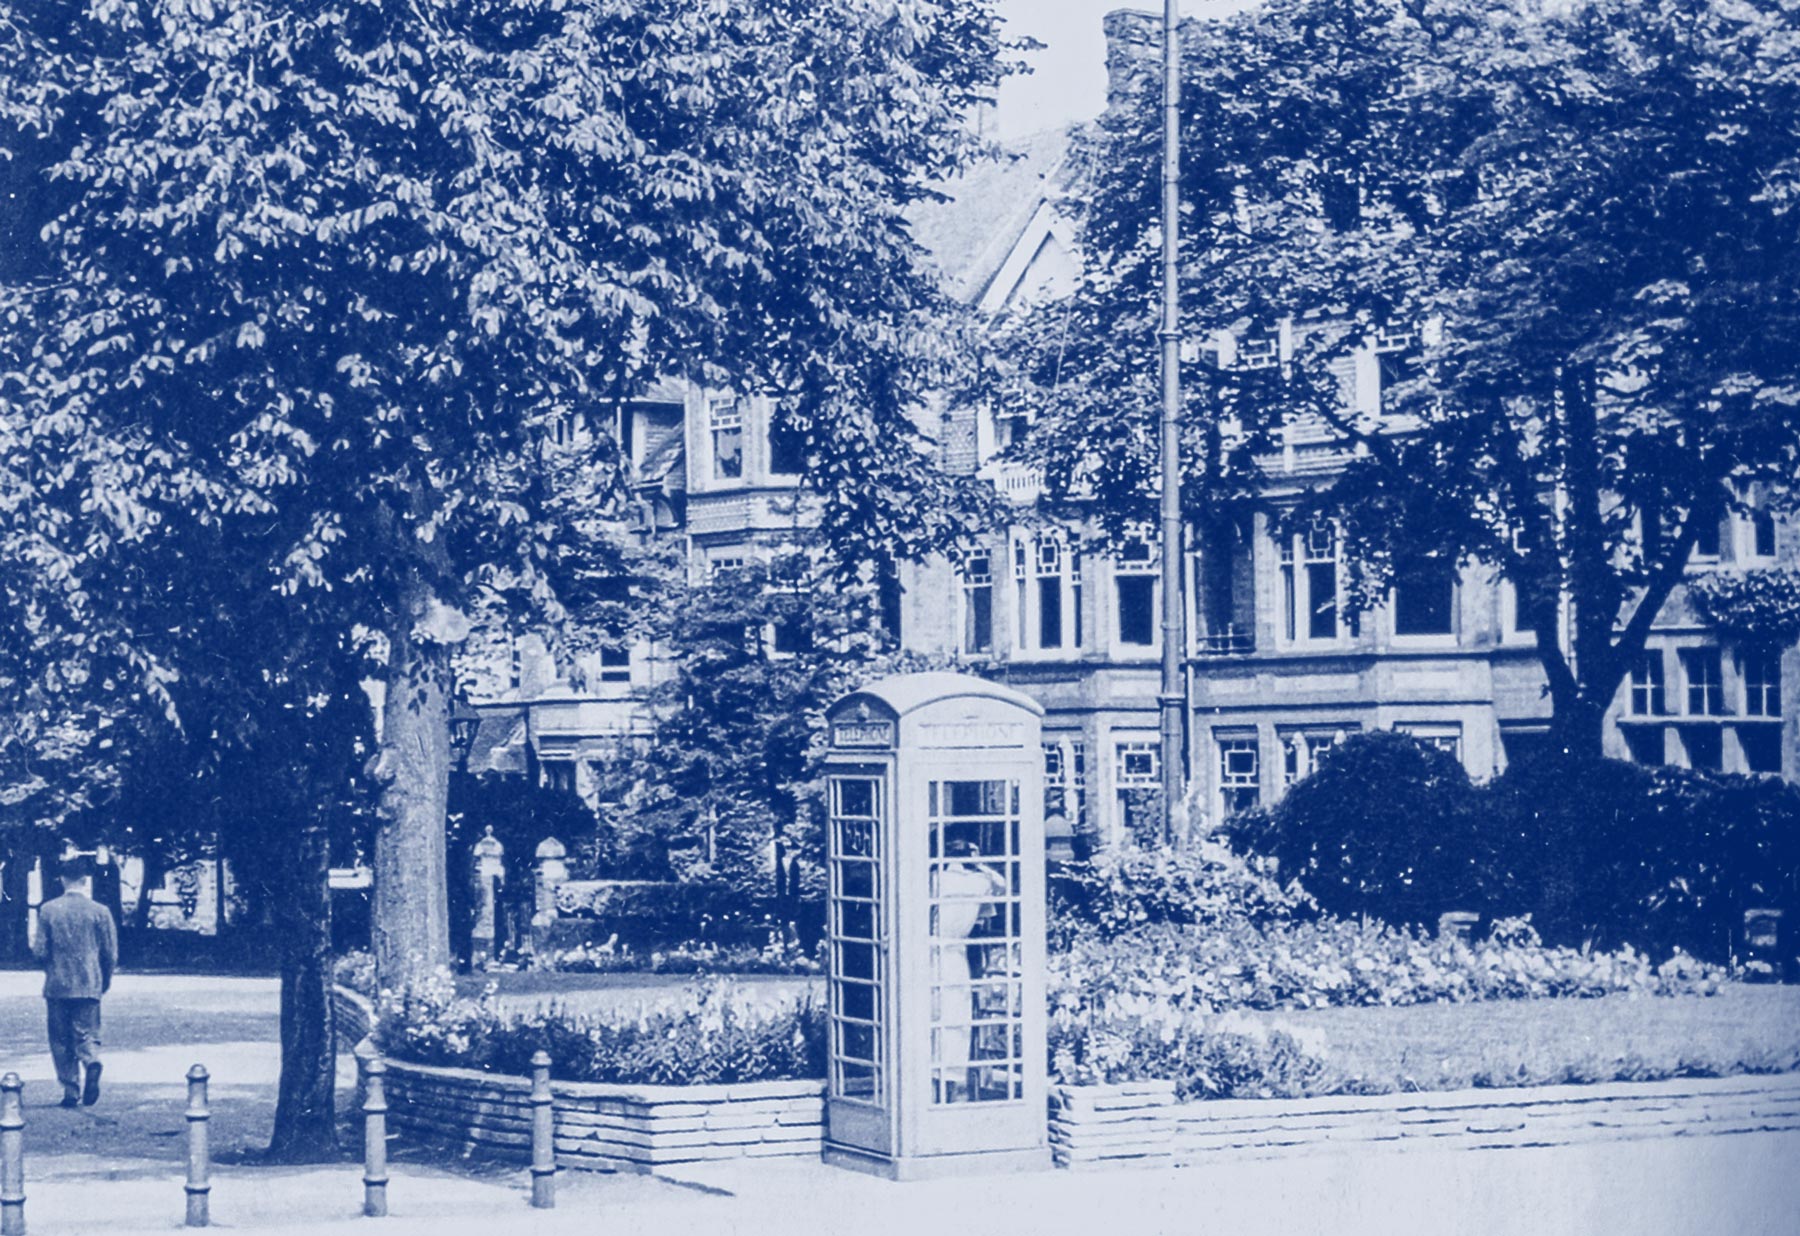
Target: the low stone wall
pixel 609 1127
pixel 352 1017
pixel 1141 1124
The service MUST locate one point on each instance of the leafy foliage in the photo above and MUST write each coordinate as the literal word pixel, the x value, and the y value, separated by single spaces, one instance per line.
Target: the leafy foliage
pixel 1169 1002
pixel 1226 1057
pixel 712 1033
pixel 1475 176
pixel 1205 884
pixel 1386 826
pixel 1661 858
pixel 780 954
pixel 1760 607
pixel 1594 852
pixel 301 293
pixel 728 791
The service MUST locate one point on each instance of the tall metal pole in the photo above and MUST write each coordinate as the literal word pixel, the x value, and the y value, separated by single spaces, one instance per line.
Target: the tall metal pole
pixel 1171 698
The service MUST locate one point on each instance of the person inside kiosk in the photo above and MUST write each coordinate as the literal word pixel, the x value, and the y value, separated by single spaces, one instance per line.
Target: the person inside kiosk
pixel 974 934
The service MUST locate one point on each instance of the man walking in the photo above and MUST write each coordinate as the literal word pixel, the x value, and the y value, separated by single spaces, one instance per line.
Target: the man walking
pixel 79 946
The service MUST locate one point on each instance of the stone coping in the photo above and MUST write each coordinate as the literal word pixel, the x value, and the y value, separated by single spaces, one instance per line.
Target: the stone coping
pixel 1476 1096
pixel 1499 1096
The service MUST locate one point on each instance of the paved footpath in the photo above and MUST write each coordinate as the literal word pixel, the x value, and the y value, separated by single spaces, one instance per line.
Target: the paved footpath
pixel 116 1168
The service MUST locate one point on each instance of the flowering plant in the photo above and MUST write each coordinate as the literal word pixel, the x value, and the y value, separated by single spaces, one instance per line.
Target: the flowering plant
pixel 711 1032
pixel 1332 962
pixel 1200 885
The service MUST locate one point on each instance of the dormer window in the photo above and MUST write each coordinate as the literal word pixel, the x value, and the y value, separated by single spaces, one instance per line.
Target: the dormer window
pixel 1258 352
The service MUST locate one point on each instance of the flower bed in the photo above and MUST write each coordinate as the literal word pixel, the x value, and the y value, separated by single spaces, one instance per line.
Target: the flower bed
pixel 707 1033
pixel 699 1076
pixel 1167 1002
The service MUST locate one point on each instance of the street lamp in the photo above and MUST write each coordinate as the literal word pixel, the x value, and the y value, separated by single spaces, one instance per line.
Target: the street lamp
pixel 1171 699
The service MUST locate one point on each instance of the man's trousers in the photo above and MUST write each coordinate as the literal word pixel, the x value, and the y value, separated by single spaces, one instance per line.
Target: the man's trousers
pixel 74 1037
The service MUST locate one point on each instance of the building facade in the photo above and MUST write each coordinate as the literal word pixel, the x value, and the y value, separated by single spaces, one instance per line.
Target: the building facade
pixel 1279 667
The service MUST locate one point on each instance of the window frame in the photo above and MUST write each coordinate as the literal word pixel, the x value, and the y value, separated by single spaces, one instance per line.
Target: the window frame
pixel 1237 792
pixel 1760 671
pixel 725 418
pixel 1400 587
pixel 976 583
pixel 1710 687
pixel 1300 561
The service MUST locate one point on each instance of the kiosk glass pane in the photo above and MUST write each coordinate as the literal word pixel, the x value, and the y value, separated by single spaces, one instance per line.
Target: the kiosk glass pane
pixel 977 977
pixel 858 1051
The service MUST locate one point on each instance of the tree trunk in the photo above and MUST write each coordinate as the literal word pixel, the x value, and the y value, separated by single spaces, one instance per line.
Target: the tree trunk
pixel 154 871
pixel 1578 729
pixel 411 916
pixel 306 1101
pixel 16 857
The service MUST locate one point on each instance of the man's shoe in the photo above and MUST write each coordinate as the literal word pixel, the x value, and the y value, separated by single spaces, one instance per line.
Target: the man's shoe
pixel 71 1096
pixel 90 1091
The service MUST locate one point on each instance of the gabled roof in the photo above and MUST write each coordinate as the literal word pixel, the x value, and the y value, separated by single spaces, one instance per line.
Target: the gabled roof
pixel 970 237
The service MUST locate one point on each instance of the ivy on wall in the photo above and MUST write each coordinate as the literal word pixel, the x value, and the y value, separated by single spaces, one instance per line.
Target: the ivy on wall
pixel 1761 607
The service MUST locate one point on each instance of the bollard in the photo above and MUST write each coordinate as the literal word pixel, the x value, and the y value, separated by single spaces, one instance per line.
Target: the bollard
pixel 543 1135
pixel 199 1186
pixel 375 1173
pixel 12 1156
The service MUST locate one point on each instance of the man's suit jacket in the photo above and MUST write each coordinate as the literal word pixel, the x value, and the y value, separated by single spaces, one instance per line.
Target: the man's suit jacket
pixel 79 946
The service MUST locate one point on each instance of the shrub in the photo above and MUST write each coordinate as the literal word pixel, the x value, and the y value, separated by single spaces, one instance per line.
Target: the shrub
pixel 1132 886
pixel 1663 858
pixel 1386 826
pixel 1598 852
pixel 709 1034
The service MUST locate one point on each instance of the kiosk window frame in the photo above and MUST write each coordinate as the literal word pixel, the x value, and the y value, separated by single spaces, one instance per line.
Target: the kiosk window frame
pixel 976 941
pixel 858 940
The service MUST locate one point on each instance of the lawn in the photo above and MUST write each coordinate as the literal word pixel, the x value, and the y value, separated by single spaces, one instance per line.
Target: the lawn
pixel 1541 1042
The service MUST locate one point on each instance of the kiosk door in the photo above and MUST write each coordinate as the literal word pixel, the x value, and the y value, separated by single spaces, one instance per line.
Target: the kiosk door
pixel 858 931
pixel 976 957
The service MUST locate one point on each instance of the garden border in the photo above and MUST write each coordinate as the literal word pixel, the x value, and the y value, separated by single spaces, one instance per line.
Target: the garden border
pixel 1141 1124
pixel 641 1128
pixel 598 1126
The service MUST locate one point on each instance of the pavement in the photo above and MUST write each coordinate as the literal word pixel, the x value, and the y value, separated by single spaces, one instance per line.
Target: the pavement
pixel 117 1167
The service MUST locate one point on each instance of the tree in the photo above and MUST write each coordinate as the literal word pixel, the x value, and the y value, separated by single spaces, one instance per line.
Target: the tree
pixel 1581 216
pixel 314 284
pixel 728 790
pixel 336 271
pixel 1387 826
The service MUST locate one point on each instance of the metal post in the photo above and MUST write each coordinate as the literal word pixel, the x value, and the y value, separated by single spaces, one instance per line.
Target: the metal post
pixel 12 1156
pixel 1171 698
pixel 199 1184
pixel 375 1173
pixel 543 1135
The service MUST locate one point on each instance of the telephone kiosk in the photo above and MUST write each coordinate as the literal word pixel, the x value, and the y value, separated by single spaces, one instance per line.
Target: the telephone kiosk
pixel 935 929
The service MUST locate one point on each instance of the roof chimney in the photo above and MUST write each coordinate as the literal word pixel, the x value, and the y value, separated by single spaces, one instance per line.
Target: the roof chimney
pixel 1133 53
